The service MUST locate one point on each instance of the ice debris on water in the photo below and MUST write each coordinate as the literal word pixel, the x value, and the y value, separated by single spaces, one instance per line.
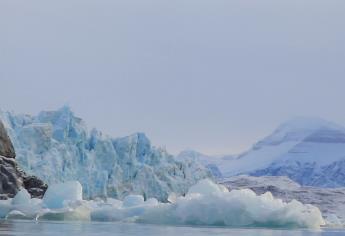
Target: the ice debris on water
pixel 206 204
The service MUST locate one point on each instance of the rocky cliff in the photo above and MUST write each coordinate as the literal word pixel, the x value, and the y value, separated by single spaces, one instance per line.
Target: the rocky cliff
pixel 13 178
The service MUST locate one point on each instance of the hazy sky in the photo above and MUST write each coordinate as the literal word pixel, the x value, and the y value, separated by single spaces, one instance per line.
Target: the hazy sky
pixel 210 75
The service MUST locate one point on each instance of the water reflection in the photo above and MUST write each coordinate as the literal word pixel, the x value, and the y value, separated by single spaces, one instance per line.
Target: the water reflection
pixel 29 228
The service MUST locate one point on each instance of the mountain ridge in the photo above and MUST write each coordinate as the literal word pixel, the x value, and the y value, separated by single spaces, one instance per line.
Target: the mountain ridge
pixel 310 151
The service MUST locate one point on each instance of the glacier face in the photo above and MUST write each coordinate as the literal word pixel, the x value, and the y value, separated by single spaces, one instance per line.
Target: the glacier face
pixel 211 163
pixel 57 147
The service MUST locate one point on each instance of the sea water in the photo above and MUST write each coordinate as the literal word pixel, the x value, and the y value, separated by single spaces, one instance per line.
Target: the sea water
pixel 50 228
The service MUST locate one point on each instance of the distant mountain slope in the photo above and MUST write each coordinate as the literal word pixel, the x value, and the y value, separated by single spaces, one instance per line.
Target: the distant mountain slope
pixel 57 146
pixel 310 151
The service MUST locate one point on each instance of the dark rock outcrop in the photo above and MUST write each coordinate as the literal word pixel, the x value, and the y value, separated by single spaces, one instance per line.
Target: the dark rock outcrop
pixel 12 178
pixel 10 181
pixel 6 147
pixel 34 186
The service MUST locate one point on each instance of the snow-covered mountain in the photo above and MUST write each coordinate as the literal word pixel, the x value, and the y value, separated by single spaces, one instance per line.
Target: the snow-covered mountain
pixel 57 146
pixel 310 151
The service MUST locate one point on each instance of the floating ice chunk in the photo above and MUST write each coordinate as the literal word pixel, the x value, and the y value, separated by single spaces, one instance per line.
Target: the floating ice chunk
pixel 5 207
pixel 205 204
pixel 207 187
pixel 22 198
pixel 114 202
pixel 133 200
pixel 23 206
pixel 334 221
pixel 172 198
pixel 59 194
pixel 15 214
pixel 80 213
pixel 151 202
pixel 208 204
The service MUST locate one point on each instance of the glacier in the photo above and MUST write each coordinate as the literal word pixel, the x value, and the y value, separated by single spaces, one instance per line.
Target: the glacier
pixel 210 162
pixel 205 204
pixel 57 147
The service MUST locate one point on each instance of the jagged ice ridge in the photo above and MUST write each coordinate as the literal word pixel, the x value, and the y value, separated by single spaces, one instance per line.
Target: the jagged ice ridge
pixel 57 147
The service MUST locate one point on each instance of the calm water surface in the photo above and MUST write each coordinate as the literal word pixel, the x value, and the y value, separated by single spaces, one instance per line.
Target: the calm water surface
pixel 100 229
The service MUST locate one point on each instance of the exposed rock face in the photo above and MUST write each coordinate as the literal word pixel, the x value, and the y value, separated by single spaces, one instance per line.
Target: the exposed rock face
pixel 34 186
pixel 11 177
pixel 6 147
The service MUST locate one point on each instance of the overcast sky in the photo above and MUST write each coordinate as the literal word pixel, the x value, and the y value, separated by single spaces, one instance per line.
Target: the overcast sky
pixel 212 75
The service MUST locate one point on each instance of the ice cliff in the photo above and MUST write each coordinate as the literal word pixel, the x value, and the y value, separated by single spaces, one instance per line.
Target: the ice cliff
pixel 58 147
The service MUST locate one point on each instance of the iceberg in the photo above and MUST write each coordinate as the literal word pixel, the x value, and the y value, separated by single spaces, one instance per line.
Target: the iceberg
pixel 58 194
pixel 22 197
pixel 205 204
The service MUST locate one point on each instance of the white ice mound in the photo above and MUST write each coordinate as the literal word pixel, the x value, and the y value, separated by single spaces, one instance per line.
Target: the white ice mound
pixel 210 204
pixel 206 204
pixel 58 195
pixel 207 187
pixel 245 208
pixel 133 200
